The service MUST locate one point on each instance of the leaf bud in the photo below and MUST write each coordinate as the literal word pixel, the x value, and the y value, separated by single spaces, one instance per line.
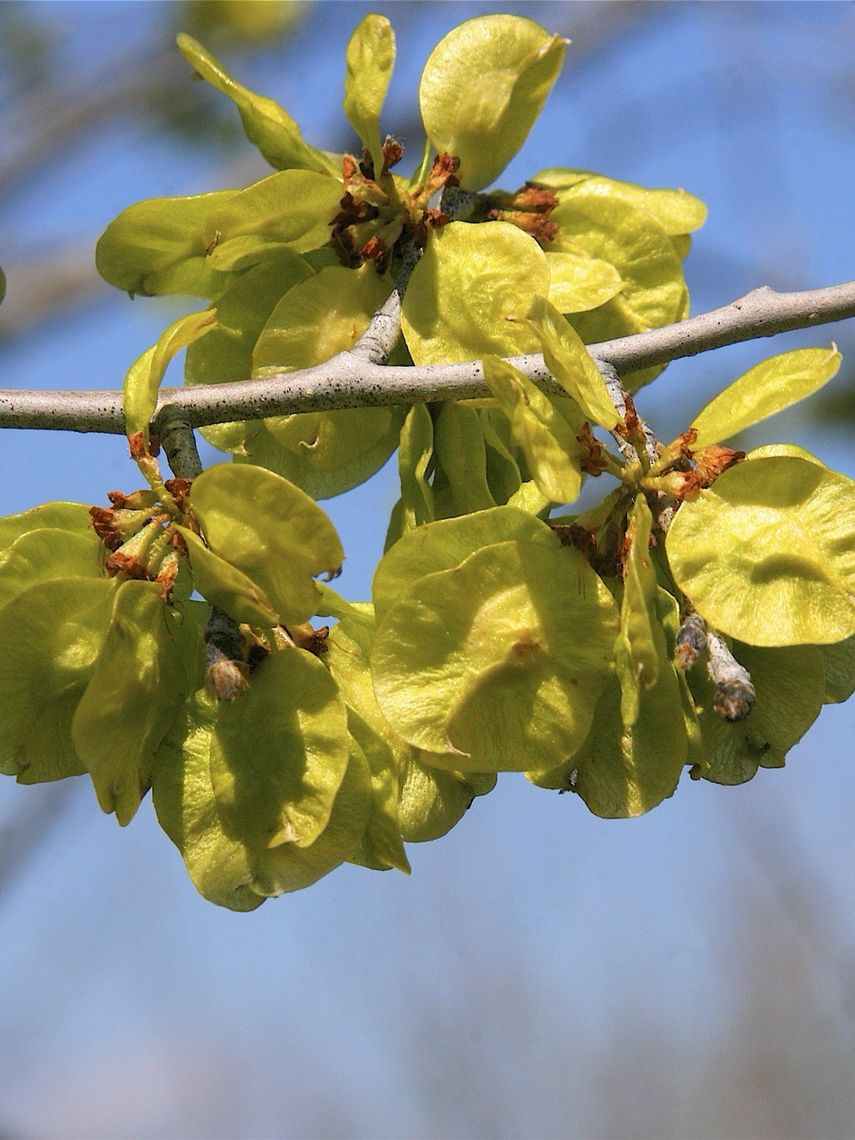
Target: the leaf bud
pixel 596 459
pixel 393 152
pixel 679 485
pixel 114 526
pixel 305 636
pixel 734 690
pixel 676 454
pixel 712 460
pixel 734 700
pixel 132 557
pixel 167 573
pixel 528 208
pixel 179 489
pixel 136 501
pixel 443 173
pixel 226 677
pixel 691 640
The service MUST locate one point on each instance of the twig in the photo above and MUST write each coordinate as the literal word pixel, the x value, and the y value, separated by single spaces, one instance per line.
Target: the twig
pixel 734 692
pixel 762 312
pixel 376 343
pixel 346 381
pixel 384 329
pixel 617 394
pixel 224 650
pixel 691 640
pixel 173 428
pixel 224 643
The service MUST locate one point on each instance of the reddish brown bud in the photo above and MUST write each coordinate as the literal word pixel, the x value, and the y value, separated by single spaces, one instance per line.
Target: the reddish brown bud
pixel 353 211
pixel 534 197
pixel 573 534
pixel 528 209
pixel 711 461
pixel 114 526
pixel 543 231
pixel 134 555
pixel 136 501
pixel 631 424
pixel 305 636
pixel 179 489
pixel 594 462
pixel 679 485
pixel 445 166
pixel 442 173
pixel 167 574
pixel 137 446
pixel 374 249
pixel 103 520
pixel 119 563
pixel 677 454
pixel 536 225
pixel 393 152
pixel 435 218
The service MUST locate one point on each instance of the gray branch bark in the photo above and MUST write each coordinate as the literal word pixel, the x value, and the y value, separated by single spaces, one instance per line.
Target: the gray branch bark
pixel 350 381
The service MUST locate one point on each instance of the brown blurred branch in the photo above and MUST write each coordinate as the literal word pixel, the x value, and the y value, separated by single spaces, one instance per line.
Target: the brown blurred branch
pixel 45 284
pixel 53 119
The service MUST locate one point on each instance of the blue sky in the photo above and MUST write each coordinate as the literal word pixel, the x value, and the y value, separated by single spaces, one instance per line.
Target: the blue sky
pixel 535 946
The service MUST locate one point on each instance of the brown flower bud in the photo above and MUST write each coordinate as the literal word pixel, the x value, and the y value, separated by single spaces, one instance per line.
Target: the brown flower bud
pixel 711 461
pixel 305 636
pixel 114 526
pixel 132 557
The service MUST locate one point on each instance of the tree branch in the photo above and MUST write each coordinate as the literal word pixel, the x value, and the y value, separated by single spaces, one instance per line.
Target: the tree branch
pixel 346 381
pixel 175 431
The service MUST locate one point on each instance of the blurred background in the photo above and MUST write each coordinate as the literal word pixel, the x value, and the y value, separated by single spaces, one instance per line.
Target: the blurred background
pixel 543 973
